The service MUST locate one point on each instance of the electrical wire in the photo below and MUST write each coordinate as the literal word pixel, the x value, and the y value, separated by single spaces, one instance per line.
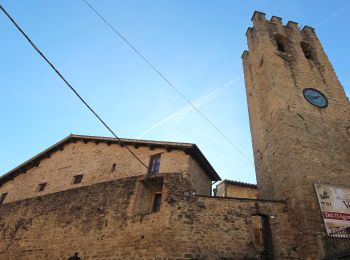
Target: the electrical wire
pixel 68 84
pixel 148 62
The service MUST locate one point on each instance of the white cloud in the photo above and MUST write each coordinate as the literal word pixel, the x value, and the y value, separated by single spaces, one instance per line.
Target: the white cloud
pixel 199 102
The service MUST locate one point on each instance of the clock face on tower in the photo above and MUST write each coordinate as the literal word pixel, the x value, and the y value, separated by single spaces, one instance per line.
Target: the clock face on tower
pixel 315 97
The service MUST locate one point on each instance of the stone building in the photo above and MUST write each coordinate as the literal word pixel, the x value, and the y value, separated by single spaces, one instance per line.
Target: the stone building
pixel 300 124
pixel 236 189
pixel 79 161
pixel 90 195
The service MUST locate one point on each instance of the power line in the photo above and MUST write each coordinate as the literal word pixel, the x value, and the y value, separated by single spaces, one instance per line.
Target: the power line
pixel 148 62
pixel 69 85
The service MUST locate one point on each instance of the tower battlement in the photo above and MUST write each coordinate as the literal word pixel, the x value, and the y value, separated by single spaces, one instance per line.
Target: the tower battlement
pixel 260 17
pixel 285 34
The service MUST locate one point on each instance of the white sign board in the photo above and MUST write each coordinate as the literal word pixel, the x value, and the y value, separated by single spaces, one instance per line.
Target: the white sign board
pixel 335 206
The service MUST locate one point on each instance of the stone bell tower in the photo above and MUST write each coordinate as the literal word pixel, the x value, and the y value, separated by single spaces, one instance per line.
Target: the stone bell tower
pixel 299 119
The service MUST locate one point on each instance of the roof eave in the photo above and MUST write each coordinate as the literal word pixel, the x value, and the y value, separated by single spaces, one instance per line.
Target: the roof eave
pixel 34 161
pixel 202 160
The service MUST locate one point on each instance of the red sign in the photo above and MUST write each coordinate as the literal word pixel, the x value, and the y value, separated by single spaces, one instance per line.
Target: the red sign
pixel 336 215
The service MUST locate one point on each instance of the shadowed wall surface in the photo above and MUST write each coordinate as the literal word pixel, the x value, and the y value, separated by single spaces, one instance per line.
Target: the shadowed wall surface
pixel 101 222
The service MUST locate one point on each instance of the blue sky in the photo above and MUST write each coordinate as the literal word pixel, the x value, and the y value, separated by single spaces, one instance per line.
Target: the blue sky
pixel 197 44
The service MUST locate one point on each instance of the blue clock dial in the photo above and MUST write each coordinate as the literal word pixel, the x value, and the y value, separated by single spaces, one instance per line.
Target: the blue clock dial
pixel 315 97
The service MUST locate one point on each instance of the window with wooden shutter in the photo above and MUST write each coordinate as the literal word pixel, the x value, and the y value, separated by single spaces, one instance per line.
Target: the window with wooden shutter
pixel 157 200
pixel 154 164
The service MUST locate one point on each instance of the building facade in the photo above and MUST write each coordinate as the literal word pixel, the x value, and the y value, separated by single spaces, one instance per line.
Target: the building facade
pixel 236 189
pixel 78 161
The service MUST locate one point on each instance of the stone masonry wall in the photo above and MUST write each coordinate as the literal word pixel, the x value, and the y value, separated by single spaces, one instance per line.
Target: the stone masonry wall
pixel 98 222
pixel 201 183
pixel 295 143
pixel 95 162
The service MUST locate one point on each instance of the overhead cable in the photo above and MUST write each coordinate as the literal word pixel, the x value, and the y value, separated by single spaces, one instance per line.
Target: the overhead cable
pixel 169 83
pixel 69 85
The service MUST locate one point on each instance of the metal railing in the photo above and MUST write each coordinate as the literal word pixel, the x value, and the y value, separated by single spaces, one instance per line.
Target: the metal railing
pixel 337 243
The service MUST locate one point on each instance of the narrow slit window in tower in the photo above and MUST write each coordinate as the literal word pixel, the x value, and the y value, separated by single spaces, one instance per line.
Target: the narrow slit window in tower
pixel 280 47
pixel 281 43
pixel 307 50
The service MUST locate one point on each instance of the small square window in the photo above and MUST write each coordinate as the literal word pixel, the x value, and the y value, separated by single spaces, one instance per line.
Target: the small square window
pixel 2 197
pixel 77 179
pixel 154 164
pixel 42 186
pixel 157 201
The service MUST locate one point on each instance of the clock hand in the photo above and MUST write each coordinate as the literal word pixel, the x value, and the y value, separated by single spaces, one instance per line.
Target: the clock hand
pixel 313 97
